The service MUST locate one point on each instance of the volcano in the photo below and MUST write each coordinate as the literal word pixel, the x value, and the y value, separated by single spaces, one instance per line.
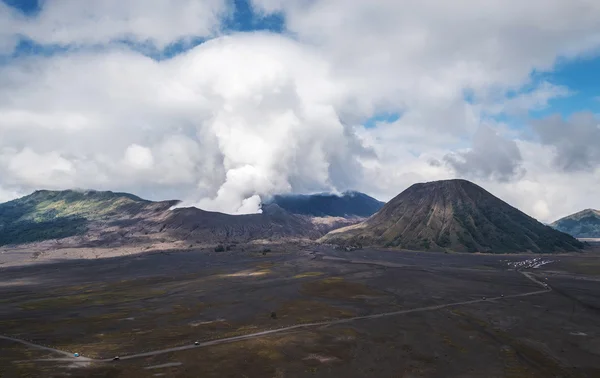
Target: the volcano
pixel 455 215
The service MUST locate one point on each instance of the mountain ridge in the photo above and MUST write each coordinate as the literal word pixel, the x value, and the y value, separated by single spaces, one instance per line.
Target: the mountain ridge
pixel 105 217
pixel 46 214
pixel 582 224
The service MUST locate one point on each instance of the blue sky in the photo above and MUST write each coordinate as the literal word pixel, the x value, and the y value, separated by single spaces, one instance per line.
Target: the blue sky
pixel 382 117
pixel 28 7
pixel 582 76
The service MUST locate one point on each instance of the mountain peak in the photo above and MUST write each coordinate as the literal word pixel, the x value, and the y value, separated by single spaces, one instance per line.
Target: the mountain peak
pixel 445 184
pixel 591 211
pixel 583 224
pixel 457 215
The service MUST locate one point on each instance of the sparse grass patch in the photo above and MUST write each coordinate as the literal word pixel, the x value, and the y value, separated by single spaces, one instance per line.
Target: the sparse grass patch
pixel 265 265
pixel 261 357
pixel 448 341
pixel 513 367
pixel 246 273
pixel 88 299
pixel 311 311
pixel 546 365
pixel 337 288
pixel 308 274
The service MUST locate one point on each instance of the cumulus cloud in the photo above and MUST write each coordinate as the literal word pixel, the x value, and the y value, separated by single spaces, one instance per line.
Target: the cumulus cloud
pixel 544 192
pixel 490 156
pixel 538 98
pixel 29 167
pixel 576 140
pixel 244 116
pixel 423 54
pixel 139 157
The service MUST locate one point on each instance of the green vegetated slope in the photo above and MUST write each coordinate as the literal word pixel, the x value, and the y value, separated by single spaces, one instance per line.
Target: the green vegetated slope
pixel 454 215
pixel 584 224
pixel 48 214
pixel 121 218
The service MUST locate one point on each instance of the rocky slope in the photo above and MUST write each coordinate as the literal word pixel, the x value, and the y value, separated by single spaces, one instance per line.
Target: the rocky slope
pixel 107 218
pixel 273 223
pixel 454 215
pixel 584 224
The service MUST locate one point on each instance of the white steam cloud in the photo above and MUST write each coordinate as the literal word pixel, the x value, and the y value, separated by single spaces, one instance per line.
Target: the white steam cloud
pixel 272 118
pixel 229 133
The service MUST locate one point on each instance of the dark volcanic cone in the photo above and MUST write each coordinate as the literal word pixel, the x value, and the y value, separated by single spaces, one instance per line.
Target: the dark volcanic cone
pixel 454 215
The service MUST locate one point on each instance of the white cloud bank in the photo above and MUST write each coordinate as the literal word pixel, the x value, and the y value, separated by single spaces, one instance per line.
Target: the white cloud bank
pixel 249 115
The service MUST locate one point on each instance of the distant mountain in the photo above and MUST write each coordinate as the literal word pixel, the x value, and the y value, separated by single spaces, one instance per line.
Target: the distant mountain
pixel 105 217
pixel 584 224
pixel 47 214
pixel 349 204
pixel 455 215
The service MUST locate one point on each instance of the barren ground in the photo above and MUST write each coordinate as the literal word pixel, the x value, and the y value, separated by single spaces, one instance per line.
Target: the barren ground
pixel 126 305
